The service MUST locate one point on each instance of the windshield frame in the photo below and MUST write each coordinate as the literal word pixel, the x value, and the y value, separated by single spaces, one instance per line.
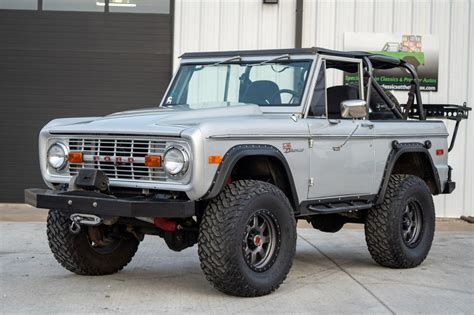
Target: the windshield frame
pixel 281 108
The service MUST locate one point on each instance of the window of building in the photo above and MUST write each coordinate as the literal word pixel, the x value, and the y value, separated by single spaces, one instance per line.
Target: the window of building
pixel 139 6
pixel 19 4
pixel 72 5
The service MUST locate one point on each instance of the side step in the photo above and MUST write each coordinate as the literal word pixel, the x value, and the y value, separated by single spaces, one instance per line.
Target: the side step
pixel 336 208
pixel 335 205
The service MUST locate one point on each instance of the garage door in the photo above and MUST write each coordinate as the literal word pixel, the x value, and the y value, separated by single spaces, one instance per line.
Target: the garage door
pixel 63 58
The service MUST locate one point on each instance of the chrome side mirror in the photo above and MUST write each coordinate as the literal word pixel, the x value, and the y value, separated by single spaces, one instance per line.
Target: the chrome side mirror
pixel 354 109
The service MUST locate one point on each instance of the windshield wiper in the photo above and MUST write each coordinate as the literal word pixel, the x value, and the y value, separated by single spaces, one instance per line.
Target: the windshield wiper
pixel 227 60
pixel 285 56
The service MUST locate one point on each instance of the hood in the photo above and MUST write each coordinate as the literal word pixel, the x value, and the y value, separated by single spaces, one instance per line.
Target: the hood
pixel 166 121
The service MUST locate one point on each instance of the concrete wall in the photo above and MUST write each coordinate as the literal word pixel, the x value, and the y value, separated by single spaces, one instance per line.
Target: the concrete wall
pixel 202 25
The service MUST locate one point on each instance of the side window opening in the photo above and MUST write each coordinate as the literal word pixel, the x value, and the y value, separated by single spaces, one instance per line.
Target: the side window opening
pixel 336 90
pixel 330 90
pixel 339 81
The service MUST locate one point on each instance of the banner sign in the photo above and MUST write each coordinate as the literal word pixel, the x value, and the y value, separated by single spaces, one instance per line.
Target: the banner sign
pixel 419 50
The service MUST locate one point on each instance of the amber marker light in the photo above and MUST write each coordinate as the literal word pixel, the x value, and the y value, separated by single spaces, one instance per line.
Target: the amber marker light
pixel 214 159
pixel 153 160
pixel 75 157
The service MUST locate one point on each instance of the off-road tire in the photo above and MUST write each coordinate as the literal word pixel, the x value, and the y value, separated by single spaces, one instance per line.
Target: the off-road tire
pixel 383 226
pixel 74 252
pixel 221 238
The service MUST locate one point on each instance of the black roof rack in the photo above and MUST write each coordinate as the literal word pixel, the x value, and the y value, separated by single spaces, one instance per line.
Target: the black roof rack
pixel 270 52
pixel 378 61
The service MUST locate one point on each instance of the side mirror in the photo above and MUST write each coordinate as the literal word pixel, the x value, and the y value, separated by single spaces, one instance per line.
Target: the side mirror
pixel 354 109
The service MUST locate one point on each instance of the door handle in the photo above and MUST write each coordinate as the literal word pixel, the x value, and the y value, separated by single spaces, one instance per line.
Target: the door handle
pixel 339 147
pixel 367 125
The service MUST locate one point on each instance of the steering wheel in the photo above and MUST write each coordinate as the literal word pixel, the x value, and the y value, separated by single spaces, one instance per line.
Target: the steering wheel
pixel 294 95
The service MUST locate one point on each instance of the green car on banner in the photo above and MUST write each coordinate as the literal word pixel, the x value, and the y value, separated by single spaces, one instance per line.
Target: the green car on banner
pixel 409 49
pixel 421 51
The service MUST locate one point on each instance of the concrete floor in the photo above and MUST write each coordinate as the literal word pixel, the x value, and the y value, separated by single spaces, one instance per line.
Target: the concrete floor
pixel 332 273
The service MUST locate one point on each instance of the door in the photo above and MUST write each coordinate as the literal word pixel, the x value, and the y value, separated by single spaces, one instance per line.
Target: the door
pixel 342 160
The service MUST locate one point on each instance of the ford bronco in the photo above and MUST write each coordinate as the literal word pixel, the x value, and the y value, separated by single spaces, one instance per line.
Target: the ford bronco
pixel 244 144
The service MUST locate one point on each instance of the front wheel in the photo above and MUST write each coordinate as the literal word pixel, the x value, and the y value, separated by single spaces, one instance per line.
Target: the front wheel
pixel 98 250
pixel 247 239
pixel 399 232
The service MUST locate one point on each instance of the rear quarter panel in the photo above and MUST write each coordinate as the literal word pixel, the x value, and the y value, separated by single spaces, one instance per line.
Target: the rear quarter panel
pixel 410 131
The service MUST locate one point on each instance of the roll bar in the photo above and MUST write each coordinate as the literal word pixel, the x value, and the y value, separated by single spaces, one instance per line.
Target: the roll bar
pixel 413 94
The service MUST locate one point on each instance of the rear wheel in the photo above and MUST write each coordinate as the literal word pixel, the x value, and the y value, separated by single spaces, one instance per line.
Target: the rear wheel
pixel 247 239
pixel 399 232
pixel 98 250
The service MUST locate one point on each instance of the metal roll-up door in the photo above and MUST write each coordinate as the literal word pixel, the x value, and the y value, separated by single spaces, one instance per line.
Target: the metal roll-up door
pixel 71 63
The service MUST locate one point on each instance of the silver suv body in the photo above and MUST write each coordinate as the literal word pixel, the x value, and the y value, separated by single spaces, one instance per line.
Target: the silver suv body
pixel 277 122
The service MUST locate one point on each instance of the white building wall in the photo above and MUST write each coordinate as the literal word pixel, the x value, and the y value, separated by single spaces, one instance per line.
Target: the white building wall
pixel 204 25
pixel 209 25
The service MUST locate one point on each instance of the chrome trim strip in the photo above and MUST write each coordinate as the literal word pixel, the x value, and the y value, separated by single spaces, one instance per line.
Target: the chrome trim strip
pixel 264 136
pixel 383 136
pixel 307 136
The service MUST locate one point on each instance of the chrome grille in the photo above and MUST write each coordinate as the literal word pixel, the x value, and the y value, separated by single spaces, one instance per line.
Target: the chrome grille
pixel 119 158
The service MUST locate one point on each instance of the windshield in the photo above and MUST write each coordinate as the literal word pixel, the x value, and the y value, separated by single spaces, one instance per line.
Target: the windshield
pixel 224 84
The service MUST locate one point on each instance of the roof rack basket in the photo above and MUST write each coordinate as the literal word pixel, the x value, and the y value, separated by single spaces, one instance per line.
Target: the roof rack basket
pixel 445 111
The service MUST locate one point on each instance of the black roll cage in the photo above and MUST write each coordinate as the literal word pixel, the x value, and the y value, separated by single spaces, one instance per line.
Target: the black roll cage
pixel 409 110
pixel 413 94
pixel 371 62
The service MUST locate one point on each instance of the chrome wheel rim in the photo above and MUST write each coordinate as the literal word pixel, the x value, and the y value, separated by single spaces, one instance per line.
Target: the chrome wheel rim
pixel 412 223
pixel 261 241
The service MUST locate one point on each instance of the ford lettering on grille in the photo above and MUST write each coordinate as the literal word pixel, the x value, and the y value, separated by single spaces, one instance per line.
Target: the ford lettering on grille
pixel 119 158
pixel 116 159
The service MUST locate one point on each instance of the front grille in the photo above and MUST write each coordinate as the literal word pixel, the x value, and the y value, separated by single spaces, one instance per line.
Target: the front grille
pixel 119 158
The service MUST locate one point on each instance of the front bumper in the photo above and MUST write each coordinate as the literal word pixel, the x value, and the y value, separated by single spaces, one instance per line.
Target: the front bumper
pixel 99 204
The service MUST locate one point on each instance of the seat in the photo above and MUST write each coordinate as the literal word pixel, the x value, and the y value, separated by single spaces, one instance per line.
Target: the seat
pixel 262 92
pixel 336 95
pixel 379 109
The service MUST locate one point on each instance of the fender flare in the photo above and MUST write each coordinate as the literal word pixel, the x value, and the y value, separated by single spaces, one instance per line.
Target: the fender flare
pixel 234 154
pixel 398 149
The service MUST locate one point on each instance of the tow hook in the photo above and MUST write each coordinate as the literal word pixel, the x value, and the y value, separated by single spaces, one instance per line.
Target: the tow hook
pixel 78 219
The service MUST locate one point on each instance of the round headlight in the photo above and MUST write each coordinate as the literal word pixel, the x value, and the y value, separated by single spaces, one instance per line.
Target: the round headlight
pixel 175 161
pixel 57 155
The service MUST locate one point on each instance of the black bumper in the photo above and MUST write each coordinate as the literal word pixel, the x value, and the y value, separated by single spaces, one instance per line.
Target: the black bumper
pixel 105 205
pixel 449 187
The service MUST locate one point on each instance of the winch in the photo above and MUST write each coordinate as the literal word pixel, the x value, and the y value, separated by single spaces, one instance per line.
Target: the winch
pixel 78 219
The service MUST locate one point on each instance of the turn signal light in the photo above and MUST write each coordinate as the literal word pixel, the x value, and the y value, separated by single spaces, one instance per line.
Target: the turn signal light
pixel 439 152
pixel 214 159
pixel 153 160
pixel 75 157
